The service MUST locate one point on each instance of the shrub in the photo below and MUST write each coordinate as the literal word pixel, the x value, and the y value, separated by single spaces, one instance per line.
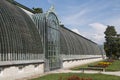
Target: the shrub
pixel 74 77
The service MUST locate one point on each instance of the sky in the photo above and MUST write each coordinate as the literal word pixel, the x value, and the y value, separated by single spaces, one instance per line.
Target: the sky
pixel 88 18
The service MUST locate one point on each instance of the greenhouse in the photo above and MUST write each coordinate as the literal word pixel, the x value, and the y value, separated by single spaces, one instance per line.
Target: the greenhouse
pixel 30 41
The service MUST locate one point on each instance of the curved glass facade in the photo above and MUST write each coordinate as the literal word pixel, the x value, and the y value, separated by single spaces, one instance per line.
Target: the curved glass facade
pixel 74 46
pixel 19 38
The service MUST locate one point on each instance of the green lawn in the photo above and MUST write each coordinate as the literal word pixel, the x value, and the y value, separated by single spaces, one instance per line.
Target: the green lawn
pixel 81 75
pixel 115 66
pixel 83 66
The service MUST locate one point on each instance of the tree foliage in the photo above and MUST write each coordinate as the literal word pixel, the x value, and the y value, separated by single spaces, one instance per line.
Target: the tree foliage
pixel 110 31
pixel 112 44
pixel 37 10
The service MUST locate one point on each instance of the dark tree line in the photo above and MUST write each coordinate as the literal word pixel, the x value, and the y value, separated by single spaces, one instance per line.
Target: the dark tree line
pixel 112 44
pixel 37 10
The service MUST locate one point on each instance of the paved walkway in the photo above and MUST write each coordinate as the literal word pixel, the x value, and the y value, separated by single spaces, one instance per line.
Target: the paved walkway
pixel 117 73
pixel 71 71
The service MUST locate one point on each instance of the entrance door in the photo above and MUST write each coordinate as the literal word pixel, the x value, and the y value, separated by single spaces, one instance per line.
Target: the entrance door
pixel 53 42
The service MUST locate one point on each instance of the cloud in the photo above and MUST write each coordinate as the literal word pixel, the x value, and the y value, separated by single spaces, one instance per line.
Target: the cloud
pixel 98 38
pixel 98 27
pixel 76 19
pixel 98 32
pixel 115 22
pixel 76 31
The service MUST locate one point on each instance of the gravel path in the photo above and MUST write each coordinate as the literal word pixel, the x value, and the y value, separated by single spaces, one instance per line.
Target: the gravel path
pixel 71 71
pixel 117 73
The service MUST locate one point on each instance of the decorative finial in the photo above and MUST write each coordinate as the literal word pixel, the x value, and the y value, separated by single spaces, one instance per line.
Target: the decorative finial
pixel 52 9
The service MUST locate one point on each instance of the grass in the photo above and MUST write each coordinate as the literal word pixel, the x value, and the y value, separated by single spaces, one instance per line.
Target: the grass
pixel 83 66
pixel 115 66
pixel 81 75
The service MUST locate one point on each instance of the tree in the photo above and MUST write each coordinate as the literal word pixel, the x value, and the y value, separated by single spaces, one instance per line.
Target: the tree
pixel 11 1
pixel 110 31
pixel 37 10
pixel 110 44
pixel 117 44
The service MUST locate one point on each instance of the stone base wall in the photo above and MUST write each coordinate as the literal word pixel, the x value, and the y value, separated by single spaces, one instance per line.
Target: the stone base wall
pixel 19 72
pixel 26 71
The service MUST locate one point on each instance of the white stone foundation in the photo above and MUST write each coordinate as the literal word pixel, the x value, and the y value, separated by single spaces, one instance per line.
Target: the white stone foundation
pixel 13 73
pixel 26 71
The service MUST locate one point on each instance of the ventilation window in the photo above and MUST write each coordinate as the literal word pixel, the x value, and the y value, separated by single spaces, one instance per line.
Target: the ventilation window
pixel 21 67
pixel 1 69
pixel 36 65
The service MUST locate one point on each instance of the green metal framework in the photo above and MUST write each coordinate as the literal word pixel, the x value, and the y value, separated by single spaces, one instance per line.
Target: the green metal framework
pixel 48 26
pixel 19 38
pixel 75 46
